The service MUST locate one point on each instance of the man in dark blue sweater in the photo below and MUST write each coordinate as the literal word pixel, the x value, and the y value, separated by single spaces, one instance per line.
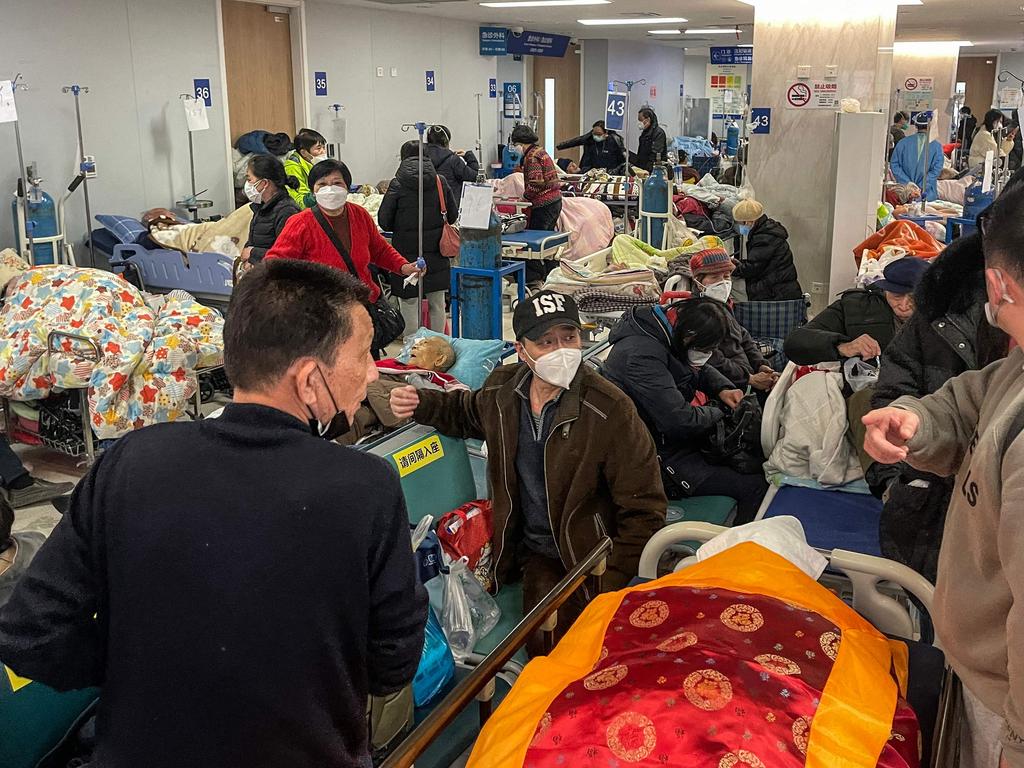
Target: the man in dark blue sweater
pixel 237 586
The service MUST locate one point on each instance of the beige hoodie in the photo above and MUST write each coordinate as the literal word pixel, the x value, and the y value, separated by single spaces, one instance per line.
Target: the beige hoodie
pixel 972 427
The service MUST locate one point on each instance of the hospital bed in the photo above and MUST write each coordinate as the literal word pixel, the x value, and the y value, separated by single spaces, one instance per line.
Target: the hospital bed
pixel 207 276
pixel 867 583
pixel 536 244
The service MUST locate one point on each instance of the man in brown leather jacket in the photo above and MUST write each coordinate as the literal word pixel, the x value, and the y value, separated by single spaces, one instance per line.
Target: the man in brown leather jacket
pixel 570 461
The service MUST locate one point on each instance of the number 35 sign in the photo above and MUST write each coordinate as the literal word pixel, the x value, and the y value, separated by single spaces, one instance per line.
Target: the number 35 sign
pixel 615 112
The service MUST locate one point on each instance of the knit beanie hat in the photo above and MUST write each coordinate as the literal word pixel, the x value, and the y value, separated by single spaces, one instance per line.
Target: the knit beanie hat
pixel 711 261
pixel 747 210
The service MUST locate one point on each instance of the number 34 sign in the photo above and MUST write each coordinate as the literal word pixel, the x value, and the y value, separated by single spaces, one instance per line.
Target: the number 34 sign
pixel 615 112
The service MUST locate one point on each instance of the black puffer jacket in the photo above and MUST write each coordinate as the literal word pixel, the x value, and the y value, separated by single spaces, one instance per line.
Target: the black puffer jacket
pixel 653 143
pixel 642 363
pixel 853 314
pixel 453 168
pixel 609 154
pixel 946 336
pixel 399 213
pixel 738 356
pixel 768 269
pixel 268 220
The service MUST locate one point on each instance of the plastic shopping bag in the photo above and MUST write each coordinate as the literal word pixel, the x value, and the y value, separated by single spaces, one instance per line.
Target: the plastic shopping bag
pixel 457 619
pixel 437 667
pixel 859 374
pixel 482 607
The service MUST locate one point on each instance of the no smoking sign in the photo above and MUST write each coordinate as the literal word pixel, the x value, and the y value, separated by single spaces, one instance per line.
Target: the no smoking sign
pixel 911 84
pixel 798 94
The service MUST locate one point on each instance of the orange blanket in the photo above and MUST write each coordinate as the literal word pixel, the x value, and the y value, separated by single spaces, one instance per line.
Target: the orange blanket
pixel 901 233
pixel 741 660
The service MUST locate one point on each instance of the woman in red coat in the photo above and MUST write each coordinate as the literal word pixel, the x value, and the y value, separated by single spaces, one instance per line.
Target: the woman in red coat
pixel 303 237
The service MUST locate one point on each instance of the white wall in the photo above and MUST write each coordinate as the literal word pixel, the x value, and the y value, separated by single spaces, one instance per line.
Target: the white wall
pixel 1014 62
pixel 662 67
pixel 695 76
pixel 135 56
pixel 350 43
pixel 511 71
pixel 593 82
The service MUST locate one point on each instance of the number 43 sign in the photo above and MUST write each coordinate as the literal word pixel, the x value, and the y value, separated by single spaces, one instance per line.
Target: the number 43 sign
pixel 615 112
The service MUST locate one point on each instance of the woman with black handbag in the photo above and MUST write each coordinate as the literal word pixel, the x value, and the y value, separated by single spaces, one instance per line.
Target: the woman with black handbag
pixel 345 237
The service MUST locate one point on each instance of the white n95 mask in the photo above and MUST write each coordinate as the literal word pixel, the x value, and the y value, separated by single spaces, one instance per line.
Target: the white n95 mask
pixel 331 197
pixel 697 359
pixel 318 158
pixel 719 291
pixel 254 195
pixel 559 367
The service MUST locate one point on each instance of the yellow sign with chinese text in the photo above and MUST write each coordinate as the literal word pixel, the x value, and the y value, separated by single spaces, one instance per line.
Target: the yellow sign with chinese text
pixel 418 455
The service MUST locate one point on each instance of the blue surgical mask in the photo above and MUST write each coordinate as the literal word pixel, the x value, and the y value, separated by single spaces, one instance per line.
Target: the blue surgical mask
pixel 744 229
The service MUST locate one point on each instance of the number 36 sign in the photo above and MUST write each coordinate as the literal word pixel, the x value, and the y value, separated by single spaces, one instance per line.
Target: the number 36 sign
pixel 615 112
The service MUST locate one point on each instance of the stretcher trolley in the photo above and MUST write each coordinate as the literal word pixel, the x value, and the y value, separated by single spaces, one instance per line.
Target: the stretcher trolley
pixel 615 723
pixel 207 276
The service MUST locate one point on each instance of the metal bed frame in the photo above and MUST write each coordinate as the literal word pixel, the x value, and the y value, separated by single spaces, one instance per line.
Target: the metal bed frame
pixel 91 353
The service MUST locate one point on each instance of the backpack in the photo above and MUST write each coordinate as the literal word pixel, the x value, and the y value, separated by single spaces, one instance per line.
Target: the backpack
pixel 735 441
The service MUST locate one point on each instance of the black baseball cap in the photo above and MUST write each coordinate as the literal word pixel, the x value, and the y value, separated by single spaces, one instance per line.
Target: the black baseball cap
pixel 539 313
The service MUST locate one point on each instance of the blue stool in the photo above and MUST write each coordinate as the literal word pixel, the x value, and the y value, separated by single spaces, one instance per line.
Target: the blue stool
pixel 496 276
pixel 967 227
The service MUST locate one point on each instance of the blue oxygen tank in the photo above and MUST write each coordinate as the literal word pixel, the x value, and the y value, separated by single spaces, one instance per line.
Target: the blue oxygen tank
pixel 655 200
pixel 480 249
pixel 510 160
pixel 42 222
pixel 732 139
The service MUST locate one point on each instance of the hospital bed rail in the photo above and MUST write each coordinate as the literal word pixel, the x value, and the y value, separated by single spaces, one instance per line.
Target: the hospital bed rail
pixel 868 576
pixel 479 684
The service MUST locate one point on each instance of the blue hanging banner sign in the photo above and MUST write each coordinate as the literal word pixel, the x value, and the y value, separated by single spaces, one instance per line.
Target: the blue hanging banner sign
pixel 512 106
pixel 492 88
pixel 201 89
pixel 537 44
pixel 492 41
pixel 615 112
pixel 320 83
pixel 431 82
pixel 761 117
pixel 732 55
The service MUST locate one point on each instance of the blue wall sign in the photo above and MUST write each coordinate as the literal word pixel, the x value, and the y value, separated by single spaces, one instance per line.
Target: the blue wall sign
pixel 732 55
pixel 431 82
pixel 537 44
pixel 615 111
pixel 512 106
pixel 320 83
pixel 492 88
pixel 201 88
pixel 492 41
pixel 761 117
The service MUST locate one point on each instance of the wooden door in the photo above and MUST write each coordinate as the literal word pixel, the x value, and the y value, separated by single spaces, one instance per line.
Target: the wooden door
pixel 566 74
pixel 258 62
pixel 979 73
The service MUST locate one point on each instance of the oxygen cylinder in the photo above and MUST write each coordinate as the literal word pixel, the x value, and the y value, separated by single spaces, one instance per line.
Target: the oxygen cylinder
pixel 42 218
pixel 480 249
pixel 732 139
pixel 655 199
pixel 511 158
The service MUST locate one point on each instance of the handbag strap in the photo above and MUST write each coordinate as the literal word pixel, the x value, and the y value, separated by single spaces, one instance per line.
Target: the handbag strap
pixel 335 240
pixel 440 194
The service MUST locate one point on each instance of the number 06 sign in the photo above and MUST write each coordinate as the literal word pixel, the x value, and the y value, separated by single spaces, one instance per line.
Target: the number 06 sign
pixel 615 112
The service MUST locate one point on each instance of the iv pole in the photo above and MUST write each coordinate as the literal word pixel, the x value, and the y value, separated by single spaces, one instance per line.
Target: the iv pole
pixel 421 129
pixel 22 191
pixel 85 168
pixel 481 177
pixel 1002 78
pixel 628 85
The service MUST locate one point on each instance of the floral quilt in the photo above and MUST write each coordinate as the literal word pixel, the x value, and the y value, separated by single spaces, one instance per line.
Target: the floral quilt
pixel 149 347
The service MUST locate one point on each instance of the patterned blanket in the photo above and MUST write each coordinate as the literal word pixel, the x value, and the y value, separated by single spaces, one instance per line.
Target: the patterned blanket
pixel 140 367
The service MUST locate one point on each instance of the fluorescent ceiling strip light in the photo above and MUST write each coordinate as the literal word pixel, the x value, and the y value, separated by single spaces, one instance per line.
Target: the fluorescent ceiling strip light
pixel 543 3
pixel 623 22
pixel 664 32
pixel 712 31
pixel 921 45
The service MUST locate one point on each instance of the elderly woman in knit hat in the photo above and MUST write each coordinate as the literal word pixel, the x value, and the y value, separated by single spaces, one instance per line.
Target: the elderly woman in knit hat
pixel 768 267
pixel 737 356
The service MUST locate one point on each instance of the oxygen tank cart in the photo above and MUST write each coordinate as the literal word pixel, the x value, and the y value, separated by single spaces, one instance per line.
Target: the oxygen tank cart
pixel 37 213
pixel 477 282
pixel 655 204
